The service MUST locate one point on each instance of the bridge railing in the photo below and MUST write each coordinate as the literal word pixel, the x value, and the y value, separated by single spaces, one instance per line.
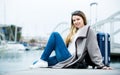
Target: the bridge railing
pixel 110 25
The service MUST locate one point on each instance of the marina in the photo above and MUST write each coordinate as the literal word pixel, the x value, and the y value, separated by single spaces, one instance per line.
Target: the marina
pixel 25 29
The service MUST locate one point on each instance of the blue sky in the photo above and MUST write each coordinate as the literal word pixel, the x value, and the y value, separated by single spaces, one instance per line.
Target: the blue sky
pixel 39 17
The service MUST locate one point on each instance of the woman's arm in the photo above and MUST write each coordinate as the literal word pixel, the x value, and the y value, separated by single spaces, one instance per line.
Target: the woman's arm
pixel 93 48
pixel 94 51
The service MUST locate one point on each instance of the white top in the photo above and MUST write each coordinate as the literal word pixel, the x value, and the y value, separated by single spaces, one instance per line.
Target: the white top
pixel 71 46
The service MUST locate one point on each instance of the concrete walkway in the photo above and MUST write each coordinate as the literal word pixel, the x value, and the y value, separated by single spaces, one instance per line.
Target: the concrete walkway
pixel 49 71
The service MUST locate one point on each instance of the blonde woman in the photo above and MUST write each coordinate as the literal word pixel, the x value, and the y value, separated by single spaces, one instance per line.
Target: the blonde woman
pixel 78 51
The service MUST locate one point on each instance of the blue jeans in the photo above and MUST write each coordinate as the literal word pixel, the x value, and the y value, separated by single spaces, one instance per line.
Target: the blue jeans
pixel 55 43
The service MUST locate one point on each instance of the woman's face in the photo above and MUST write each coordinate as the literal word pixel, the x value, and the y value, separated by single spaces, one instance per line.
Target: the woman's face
pixel 78 21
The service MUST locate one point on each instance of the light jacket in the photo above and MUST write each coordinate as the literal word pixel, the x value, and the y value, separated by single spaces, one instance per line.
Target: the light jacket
pixel 86 41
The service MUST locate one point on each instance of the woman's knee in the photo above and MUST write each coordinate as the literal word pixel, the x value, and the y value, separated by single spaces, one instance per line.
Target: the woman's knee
pixel 55 33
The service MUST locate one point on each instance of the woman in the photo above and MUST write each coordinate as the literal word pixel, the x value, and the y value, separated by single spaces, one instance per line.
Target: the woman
pixel 79 50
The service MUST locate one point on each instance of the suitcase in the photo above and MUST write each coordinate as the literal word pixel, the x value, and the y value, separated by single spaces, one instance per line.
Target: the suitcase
pixel 104 45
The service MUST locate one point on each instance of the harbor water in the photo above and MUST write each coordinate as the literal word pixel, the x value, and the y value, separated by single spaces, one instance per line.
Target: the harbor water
pixel 14 60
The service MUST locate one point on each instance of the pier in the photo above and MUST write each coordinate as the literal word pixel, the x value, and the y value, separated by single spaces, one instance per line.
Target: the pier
pixel 18 63
pixel 47 71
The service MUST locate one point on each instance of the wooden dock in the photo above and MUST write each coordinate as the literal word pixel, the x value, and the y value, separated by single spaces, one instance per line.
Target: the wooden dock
pixel 49 71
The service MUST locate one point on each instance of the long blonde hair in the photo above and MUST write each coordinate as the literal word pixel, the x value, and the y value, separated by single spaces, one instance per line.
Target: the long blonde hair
pixel 73 29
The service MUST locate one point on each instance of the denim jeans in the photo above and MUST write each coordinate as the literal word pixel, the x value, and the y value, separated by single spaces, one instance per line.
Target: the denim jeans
pixel 55 43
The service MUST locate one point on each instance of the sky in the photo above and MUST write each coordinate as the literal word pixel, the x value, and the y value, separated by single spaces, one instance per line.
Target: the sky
pixel 40 17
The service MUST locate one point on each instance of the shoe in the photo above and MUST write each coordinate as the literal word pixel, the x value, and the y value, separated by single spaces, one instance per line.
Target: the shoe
pixel 39 64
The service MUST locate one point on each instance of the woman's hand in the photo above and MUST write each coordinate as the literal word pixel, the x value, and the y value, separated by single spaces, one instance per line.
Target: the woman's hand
pixel 106 68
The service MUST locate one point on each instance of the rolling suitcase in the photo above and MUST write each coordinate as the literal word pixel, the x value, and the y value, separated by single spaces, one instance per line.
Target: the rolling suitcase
pixel 104 45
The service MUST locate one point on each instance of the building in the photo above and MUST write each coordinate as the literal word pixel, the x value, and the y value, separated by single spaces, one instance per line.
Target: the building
pixel 10 32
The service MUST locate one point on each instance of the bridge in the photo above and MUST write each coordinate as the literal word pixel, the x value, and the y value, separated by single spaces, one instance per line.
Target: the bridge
pixel 109 25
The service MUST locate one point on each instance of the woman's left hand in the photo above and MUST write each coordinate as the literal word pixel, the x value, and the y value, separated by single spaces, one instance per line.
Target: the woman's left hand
pixel 106 68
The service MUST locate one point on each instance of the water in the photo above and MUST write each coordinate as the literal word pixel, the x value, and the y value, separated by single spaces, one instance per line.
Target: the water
pixel 14 60
pixel 17 60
